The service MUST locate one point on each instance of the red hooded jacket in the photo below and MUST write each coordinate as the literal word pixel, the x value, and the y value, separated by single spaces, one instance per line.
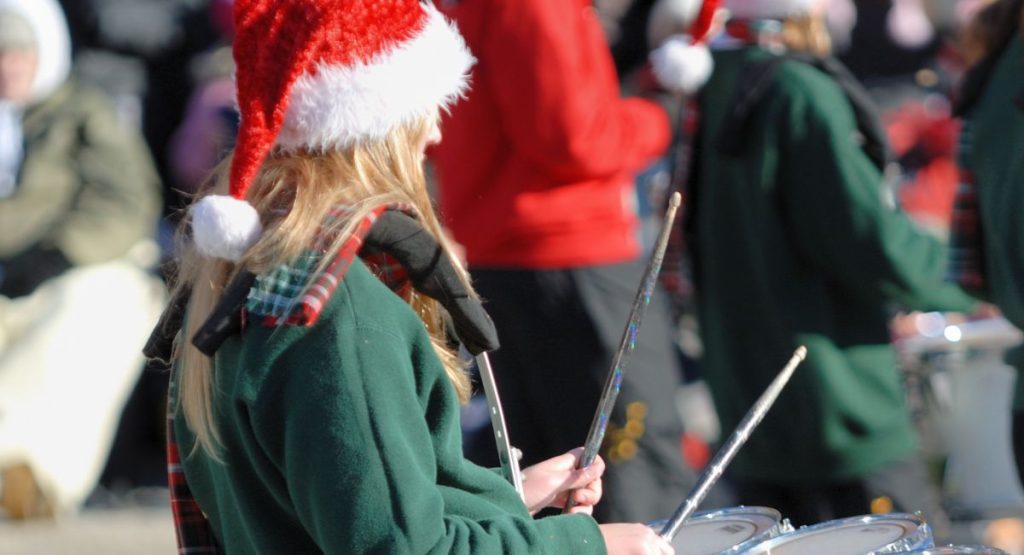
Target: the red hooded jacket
pixel 536 166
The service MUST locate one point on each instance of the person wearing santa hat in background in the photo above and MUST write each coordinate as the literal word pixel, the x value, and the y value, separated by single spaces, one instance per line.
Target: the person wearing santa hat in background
pixel 330 422
pixel 536 181
pixel 793 243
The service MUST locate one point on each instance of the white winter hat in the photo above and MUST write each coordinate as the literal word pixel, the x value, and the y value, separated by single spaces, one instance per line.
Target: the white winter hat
pixel 16 32
pixel 52 41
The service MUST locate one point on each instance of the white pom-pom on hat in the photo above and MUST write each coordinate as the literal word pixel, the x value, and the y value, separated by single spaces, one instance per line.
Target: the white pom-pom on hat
pixel 682 62
pixel 225 227
pixel 681 66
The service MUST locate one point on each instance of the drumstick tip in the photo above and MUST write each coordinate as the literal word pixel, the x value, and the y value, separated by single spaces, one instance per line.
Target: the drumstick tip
pixel 675 200
pixel 801 352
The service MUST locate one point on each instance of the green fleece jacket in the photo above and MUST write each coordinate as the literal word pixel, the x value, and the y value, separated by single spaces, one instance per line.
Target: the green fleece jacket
pixel 344 437
pixel 996 157
pixel 795 244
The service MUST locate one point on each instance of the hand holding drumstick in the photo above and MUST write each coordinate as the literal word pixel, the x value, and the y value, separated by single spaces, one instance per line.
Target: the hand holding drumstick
pixel 549 483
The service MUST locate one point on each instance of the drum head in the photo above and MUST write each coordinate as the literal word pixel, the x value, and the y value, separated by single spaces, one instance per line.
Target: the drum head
pixel 877 534
pixel 725 531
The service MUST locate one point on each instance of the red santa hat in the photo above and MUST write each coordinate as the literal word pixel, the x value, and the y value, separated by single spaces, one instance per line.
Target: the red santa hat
pixel 323 75
pixel 682 62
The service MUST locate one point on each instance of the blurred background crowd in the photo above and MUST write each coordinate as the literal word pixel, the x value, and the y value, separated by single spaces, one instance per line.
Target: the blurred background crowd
pixel 113 112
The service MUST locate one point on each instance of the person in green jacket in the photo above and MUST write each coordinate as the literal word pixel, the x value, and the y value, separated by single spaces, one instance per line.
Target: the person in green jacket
pixel 987 258
pixel 330 422
pixel 79 202
pixel 795 241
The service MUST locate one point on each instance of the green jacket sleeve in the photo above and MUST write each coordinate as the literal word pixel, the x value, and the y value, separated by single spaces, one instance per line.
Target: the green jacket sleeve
pixel 835 204
pixel 360 447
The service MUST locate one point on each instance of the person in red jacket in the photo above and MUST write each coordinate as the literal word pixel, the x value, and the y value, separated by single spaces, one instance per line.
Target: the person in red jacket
pixel 536 181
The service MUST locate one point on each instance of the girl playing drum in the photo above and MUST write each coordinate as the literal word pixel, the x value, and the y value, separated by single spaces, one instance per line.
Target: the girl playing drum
pixel 330 423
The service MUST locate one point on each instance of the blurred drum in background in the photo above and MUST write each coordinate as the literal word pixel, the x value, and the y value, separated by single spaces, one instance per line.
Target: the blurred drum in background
pixel 957 374
pixel 726 531
pixel 862 535
pixel 959 550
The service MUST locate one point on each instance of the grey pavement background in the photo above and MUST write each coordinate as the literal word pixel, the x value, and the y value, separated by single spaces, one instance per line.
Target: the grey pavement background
pixel 134 531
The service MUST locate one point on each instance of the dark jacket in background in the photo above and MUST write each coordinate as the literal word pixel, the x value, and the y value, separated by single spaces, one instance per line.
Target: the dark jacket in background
pixel 795 244
pixel 994 139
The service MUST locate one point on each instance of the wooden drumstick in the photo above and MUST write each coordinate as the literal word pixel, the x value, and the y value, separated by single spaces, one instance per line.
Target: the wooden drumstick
pixel 628 344
pixel 725 455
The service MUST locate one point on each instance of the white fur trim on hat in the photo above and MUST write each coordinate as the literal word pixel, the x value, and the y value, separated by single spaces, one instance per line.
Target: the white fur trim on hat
pixel 769 9
pixel 225 227
pixel 337 106
pixel 681 66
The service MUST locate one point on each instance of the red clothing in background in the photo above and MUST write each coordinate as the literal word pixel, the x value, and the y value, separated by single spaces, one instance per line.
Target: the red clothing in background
pixel 536 167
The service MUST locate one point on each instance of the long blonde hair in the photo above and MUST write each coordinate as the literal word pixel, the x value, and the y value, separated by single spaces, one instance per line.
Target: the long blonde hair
pixel 294 194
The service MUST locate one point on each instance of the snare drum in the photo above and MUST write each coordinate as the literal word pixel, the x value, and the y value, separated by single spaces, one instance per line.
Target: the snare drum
pixel 726 531
pixel 862 535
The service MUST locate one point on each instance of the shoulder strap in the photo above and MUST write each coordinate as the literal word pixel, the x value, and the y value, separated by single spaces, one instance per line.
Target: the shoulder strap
pixel 393 233
pixel 433 274
pixel 876 144
pixel 751 87
pixel 754 82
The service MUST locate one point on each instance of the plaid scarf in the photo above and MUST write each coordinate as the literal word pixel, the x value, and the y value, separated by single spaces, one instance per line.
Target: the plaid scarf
pixel 281 297
pixel 966 264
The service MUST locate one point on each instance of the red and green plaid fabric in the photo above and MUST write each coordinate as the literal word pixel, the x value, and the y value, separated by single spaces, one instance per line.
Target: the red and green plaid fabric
pixel 191 527
pixel 280 297
pixel 966 264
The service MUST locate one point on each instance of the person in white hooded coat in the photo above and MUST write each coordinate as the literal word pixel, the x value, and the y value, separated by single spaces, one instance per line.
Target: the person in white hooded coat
pixel 78 205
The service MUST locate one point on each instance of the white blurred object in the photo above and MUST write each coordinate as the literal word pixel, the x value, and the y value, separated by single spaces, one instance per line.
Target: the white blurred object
pixel 841 17
pixel 697 411
pixel 974 390
pixel 994 334
pixel 680 65
pixel 908 24
pixel 70 354
pixel 678 36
